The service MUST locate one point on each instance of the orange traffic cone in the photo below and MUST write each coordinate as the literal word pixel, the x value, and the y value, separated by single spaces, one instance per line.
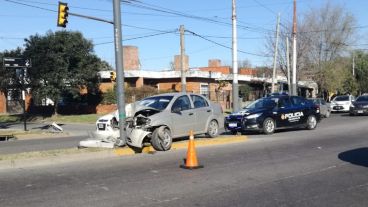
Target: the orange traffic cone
pixel 191 162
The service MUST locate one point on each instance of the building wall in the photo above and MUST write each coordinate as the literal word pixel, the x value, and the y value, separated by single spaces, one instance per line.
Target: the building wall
pixel 131 58
pixel 2 103
pixel 177 62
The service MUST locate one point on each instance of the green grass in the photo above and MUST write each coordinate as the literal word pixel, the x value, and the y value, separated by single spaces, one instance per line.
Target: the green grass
pixel 84 118
pixel 9 118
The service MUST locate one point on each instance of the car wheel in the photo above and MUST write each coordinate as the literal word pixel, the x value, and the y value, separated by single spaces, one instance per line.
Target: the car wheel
pixel 311 122
pixel 213 129
pixel 328 113
pixel 269 126
pixel 161 139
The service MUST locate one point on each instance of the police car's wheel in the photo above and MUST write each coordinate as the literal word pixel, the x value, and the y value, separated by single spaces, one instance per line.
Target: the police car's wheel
pixel 161 139
pixel 311 122
pixel 213 129
pixel 268 126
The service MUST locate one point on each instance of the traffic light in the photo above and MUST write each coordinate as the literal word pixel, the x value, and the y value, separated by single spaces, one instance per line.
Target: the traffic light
pixel 113 75
pixel 62 14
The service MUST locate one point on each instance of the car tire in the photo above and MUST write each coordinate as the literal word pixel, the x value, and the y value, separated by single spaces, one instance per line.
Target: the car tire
pixel 213 129
pixel 311 122
pixel 269 126
pixel 328 114
pixel 161 139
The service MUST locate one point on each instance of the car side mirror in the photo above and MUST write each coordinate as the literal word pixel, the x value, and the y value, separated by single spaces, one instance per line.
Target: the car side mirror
pixel 176 110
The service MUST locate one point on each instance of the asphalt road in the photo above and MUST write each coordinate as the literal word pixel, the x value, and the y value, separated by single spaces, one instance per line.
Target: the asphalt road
pixel 77 133
pixel 322 167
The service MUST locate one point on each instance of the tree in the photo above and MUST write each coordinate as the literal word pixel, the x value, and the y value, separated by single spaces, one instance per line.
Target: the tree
pixel 323 36
pixel 63 63
pixel 361 70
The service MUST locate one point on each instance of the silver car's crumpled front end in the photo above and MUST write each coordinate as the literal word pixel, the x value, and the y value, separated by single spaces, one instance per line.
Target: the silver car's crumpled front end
pixel 139 127
pixel 135 136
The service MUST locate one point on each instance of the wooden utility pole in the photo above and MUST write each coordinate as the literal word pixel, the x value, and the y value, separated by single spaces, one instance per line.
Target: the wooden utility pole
pixel 294 84
pixel 275 55
pixel 182 64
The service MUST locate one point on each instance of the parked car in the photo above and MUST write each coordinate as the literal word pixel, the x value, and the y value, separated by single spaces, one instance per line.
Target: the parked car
pixel 324 107
pixel 274 112
pixel 342 103
pixel 359 106
pixel 161 118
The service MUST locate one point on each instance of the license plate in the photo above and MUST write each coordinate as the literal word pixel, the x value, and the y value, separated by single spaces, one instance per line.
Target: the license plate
pixel 101 126
pixel 360 111
pixel 233 124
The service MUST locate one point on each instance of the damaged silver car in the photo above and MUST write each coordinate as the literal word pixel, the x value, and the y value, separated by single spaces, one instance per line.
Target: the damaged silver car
pixel 159 119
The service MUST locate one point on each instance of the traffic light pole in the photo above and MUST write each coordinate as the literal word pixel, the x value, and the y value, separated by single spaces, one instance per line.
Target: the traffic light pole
pixel 119 71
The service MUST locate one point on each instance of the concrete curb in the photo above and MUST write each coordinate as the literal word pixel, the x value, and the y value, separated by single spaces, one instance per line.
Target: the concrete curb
pixel 40 158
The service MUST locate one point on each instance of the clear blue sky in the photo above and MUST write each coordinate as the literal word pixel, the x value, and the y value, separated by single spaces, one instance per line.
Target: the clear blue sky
pixel 151 25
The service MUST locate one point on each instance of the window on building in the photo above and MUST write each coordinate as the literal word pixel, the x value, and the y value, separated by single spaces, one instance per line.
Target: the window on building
pixel 204 89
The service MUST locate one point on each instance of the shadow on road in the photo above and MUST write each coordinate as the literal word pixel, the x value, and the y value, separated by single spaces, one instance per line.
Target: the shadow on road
pixel 356 156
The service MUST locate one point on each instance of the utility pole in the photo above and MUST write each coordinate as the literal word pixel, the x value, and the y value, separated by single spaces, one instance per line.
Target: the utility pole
pixel 119 72
pixel 294 84
pixel 288 63
pixel 275 55
pixel 235 60
pixel 182 65
pixel 353 66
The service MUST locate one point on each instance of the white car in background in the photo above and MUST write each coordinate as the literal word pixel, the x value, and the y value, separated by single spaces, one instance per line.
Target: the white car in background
pixel 342 103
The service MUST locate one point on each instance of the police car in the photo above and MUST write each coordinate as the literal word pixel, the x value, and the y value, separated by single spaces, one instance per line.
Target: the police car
pixel 274 112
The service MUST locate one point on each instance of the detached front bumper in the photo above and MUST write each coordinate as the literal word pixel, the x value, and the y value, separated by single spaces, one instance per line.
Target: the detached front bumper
pixel 136 136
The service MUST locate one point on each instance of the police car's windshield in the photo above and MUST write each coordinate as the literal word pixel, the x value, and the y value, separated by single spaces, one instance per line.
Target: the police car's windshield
pixel 263 103
pixel 157 102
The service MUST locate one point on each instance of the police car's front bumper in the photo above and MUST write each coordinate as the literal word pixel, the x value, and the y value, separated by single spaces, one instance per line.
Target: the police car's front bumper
pixel 240 123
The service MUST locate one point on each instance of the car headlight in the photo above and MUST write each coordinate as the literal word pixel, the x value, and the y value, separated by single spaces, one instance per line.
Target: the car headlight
pixel 253 116
pixel 366 106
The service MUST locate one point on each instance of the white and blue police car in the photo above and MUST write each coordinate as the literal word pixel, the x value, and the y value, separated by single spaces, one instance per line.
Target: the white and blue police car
pixel 275 111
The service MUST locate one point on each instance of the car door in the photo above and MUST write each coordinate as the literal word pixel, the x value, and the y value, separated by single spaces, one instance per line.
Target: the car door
pixel 202 111
pixel 182 117
pixel 283 112
pixel 299 109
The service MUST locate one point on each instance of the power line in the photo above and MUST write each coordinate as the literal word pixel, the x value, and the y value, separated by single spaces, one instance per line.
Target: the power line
pixel 16 2
pixel 225 46
pixel 134 38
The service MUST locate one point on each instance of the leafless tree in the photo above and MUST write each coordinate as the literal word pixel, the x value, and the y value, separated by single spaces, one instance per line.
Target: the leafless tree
pixel 323 35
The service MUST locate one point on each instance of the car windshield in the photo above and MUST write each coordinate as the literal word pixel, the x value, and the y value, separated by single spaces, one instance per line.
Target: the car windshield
pixel 362 98
pixel 263 103
pixel 342 98
pixel 156 102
